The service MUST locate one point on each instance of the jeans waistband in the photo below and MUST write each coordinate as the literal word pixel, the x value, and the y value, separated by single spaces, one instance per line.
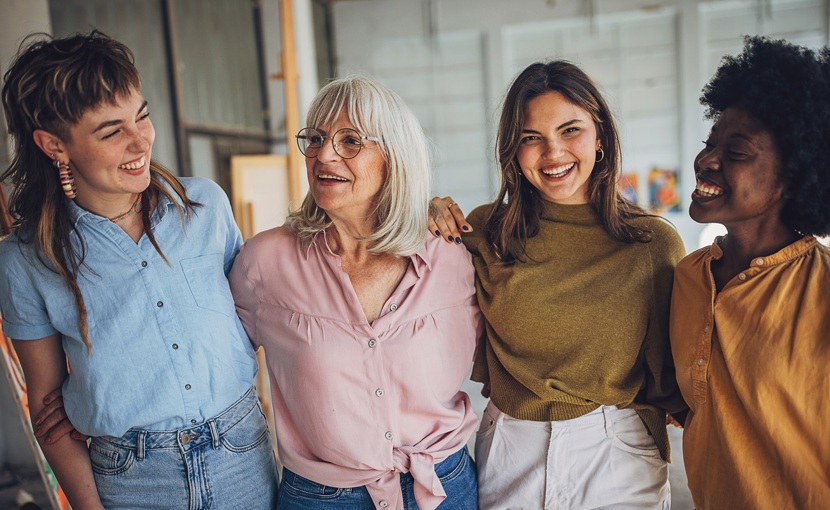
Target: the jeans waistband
pixel 188 438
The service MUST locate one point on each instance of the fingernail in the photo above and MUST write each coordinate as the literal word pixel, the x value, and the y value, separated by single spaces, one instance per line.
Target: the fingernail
pixel 450 238
pixel 457 240
pixel 465 228
pixel 38 432
pixel 437 233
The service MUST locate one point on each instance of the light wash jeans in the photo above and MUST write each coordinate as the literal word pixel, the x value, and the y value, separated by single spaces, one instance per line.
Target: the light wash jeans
pixel 226 462
pixel 456 473
pixel 604 459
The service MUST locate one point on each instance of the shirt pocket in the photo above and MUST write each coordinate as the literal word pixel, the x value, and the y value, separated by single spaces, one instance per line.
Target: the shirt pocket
pixel 206 278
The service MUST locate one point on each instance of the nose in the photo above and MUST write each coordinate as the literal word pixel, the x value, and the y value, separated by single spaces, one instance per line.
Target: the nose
pixel 552 148
pixel 708 159
pixel 327 152
pixel 141 141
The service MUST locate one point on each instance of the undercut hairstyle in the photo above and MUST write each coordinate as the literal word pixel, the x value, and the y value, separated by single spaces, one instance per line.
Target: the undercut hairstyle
pixel 515 216
pixel 401 214
pixel 787 89
pixel 50 85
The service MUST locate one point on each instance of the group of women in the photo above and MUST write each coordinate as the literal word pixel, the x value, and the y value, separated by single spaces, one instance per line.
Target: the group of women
pixel 561 302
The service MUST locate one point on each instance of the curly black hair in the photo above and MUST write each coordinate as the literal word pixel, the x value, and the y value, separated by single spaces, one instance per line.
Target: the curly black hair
pixel 786 88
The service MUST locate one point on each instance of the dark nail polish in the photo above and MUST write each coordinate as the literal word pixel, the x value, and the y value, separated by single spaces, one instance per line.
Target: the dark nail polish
pixel 450 238
pixel 457 240
pixel 437 233
pixel 465 228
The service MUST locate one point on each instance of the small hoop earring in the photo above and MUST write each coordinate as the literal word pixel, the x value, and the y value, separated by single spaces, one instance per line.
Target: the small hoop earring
pixel 66 178
pixel 600 154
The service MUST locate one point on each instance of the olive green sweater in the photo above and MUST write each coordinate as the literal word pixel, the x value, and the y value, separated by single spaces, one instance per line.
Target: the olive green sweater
pixel 583 322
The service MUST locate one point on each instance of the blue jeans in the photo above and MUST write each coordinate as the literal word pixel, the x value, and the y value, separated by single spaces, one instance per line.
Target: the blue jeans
pixel 457 474
pixel 226 462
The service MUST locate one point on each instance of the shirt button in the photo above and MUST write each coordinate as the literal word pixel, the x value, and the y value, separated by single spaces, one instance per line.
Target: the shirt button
pixel 379 392
pixel 759 262
pixel 700 362
pixel 143 263
pixel 388 435
pixel 159 304
pixel 193 421
pixel 393 307
pixel 706 329
pixel 742 276
pixel 372 342
pixel 187 386
pixel 383 503
pixel 175 346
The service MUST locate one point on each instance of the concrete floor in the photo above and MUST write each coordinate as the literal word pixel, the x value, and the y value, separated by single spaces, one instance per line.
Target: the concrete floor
pixel 680 497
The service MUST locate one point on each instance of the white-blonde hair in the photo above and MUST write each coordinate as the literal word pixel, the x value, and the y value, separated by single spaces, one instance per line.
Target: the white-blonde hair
pixel 403 202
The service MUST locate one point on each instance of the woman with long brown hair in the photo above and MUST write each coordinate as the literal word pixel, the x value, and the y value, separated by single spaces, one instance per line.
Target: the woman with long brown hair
pixel 574 283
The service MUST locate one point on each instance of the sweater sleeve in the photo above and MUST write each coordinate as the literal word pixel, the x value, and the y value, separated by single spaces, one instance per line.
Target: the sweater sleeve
pixel 475 243
pixel 661 389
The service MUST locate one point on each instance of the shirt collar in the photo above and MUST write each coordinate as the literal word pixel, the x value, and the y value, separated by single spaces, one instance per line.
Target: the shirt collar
pixel 421 259
pixel 785 254
pixel 77 212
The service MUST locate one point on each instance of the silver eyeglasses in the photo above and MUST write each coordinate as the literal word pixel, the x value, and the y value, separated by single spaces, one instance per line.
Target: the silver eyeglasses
pixel 346 142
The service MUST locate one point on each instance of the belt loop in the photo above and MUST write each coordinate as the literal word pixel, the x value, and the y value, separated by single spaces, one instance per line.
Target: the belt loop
pixel 140 445
pixel 214 433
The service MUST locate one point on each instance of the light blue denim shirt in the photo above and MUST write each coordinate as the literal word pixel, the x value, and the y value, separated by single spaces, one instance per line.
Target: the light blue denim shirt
pixel 168 350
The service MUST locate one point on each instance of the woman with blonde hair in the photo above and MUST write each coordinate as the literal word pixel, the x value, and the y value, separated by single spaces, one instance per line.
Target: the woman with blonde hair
pixel 368 326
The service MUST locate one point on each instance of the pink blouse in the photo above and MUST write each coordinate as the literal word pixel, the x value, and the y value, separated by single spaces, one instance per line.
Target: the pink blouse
pixel 357 403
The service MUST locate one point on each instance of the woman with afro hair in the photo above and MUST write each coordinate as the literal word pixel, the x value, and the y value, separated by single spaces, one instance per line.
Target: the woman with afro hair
pixel 750 315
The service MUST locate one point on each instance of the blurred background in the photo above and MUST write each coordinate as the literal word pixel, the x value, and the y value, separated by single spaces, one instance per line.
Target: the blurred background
pixel 229 81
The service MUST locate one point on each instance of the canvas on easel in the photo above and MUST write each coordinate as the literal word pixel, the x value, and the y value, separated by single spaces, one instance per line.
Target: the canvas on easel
pixel 10 366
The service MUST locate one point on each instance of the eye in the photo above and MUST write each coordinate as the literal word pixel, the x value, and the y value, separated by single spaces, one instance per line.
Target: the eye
pixel 144 116
pixel 110 135
pixel 529 139
pixel 314 139
pixel 708 145
pixel 572 130
pixel 350 140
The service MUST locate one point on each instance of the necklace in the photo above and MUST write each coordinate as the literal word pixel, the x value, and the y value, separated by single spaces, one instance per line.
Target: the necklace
pixel 132 210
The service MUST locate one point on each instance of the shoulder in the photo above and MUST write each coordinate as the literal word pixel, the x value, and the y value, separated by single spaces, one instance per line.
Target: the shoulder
pixel 479 215
pixel 666 241
pixel 200 189
pixel 13 252
pixel 270 244
pixel 694 260
pixel 445 255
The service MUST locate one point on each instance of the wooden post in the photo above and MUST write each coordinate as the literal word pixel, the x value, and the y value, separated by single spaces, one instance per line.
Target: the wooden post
pixel 290 78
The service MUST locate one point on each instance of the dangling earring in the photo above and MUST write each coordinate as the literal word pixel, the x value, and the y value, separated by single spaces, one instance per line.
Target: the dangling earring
pixel 600 154
pixel 66 178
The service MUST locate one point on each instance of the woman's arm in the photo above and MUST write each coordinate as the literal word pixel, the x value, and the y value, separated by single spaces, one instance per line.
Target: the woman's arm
pixel 44 366
pixel 445 218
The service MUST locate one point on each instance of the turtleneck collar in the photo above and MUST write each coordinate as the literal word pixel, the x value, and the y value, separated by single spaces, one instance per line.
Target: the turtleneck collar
pixel 580 213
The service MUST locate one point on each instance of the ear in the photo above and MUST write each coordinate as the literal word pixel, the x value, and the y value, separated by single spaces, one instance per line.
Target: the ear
pixel 50 144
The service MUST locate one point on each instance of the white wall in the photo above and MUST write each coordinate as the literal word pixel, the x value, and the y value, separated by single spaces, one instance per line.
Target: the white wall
pixel 452 61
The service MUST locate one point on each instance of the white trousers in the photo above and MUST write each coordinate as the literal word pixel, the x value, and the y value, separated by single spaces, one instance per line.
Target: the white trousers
pixel 604 459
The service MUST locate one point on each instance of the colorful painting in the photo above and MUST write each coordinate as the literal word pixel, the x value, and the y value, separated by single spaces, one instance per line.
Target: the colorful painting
pixel 628 186
pixel 10 366
pixel 662 187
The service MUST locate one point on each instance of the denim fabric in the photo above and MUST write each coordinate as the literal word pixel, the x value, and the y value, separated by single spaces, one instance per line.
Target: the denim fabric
pixel 168 350
pixel 225 463
pixel 457 474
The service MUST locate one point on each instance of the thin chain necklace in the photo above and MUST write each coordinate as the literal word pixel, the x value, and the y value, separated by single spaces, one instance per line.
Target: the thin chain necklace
pixel 132 210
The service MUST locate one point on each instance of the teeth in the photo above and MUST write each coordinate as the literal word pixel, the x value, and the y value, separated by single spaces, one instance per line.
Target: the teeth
pixel 559 171
pixel 332 178
pixel 707 190
pixel 135 165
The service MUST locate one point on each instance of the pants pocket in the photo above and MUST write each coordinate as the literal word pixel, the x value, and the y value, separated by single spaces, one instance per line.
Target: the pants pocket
pixel 631 435
pixel 109 459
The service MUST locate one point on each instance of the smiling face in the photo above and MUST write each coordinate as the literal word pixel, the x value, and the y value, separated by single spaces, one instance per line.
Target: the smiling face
pixel 738 174
pixel 346 189
pixel 109 153
pixel 558 148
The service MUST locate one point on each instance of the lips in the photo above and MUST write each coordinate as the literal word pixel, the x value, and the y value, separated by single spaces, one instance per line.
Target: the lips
pixel 558 171
pixel 331 178
pixel 135 164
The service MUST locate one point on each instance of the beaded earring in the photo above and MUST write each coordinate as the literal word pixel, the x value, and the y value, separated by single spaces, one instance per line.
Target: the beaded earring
pixel 66 178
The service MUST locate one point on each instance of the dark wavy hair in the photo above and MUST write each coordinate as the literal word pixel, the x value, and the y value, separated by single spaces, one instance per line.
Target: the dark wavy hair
pixel 515 216
pixel 787 89
pixel 49 86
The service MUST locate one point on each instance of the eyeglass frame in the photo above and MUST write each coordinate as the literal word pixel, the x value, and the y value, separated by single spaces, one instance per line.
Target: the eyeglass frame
pixel 334 145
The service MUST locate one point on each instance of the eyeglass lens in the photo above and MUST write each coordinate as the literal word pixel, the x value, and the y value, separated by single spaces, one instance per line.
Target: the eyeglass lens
pixel 347 142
